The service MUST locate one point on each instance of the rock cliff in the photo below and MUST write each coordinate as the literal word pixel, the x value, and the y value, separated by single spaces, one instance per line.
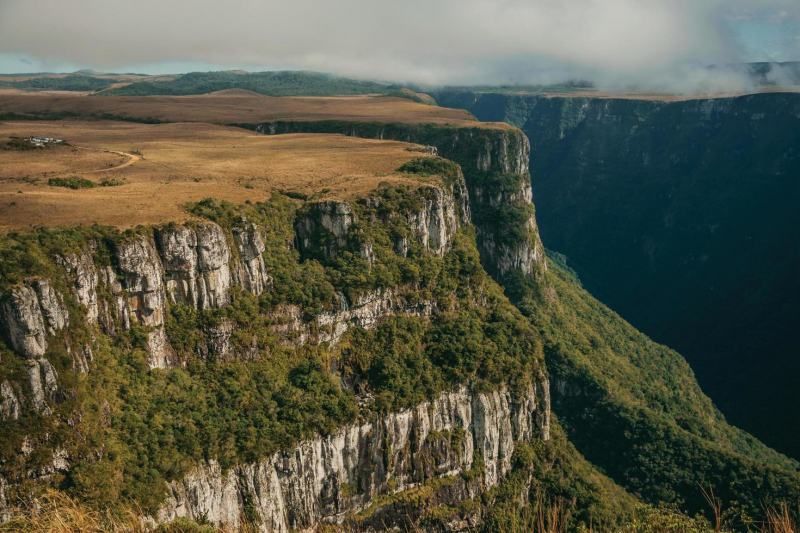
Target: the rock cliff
pixel 331 478
pixel 651 199
pixel 495 165
pixel 201 296
pixel 31 313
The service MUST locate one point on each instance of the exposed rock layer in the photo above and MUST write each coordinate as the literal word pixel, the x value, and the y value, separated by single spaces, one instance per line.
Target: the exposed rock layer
pixel 326 479
pixel 495 164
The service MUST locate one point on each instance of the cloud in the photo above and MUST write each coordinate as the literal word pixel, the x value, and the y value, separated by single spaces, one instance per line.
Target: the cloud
pixel 425 41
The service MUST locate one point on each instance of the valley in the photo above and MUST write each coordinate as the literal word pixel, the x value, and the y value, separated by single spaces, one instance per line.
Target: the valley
pixel 681 216
pixel 349 321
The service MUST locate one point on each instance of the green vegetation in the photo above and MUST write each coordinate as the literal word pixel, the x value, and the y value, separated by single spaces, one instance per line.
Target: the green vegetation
pixel 65 115
pixel 71 182
pixel 695 247
pixel 77 182
pixel 72 82
pixel 430 166
pixel 555 477
pixel 633 408
pixel 111 182
pixel 276 83
pixel 139 428
pixel 18 143
pixel 630 407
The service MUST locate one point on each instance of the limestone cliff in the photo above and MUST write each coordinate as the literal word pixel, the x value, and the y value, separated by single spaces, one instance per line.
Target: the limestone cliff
pixel 331 478
pixel 650 199
pixel 495 165
pixel 296 285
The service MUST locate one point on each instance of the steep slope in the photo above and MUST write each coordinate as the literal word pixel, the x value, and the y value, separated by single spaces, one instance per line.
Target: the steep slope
pixel 682 217
pixel 378 311
pixel 638 412
pixel 283 363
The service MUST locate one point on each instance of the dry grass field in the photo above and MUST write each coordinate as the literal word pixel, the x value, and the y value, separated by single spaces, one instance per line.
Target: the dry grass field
pixel 237 106
pixel 157 168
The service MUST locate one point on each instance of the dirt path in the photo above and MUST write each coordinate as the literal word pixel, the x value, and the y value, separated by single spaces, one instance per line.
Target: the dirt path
pixel 132 158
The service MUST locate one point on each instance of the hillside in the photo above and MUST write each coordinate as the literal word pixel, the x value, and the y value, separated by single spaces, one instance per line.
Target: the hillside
pixel 224 107
pixel 403 354
pixel 272 83
pixel 682 217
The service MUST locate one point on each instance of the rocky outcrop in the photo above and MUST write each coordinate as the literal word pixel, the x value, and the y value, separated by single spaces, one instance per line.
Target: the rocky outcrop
pixel 366 312
pixel 251 273
pixel 329 326
pixel 524 254
pixel 82 271
pixel 507 151
pixel 24 324
pixel 331 477
pixel 220 345
pixel 55 314
pixel 322 229
pixel 31 313
pixel 438 220
pixel 9 403
pixel 196 264
pixel 191 265
pixel 140 294
pixel 44 384
pixel 494 160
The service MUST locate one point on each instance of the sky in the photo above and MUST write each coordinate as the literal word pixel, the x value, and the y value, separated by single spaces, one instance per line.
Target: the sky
pixel 658 43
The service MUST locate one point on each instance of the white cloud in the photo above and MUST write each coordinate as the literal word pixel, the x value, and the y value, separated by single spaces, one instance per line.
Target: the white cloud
pixel 428 41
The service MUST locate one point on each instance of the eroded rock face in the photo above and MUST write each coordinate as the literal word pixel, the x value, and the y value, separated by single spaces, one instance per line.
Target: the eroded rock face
pixel 252 273
pixel 220 345
pixel 196 264
pixel 527 254
pixel 56 316
pixel 140 294
pixel 30 314
pixel 437 222
pixel 324 479
pixel 322 229
pixel 9 403
pixel 506 152
pixel 44 384
pixel 82 270
pixel 24 323
pixel 329 326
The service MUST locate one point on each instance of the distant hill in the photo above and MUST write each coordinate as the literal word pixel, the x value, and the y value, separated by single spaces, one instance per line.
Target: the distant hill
pixel 283 83
pixel 71 82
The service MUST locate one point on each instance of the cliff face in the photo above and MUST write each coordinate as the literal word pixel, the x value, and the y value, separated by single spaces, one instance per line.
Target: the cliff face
pixel 681 216
pixel 202 295
pixel 495 166
pixel 332 478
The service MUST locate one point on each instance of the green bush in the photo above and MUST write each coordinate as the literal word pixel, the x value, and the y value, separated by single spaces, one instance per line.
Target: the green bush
pixel 72 182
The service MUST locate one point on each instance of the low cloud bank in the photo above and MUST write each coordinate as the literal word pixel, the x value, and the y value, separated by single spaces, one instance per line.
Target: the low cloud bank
pixel 650 44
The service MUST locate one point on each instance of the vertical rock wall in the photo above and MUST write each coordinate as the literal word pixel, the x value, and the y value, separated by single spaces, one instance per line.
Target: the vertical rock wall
pixel 329 478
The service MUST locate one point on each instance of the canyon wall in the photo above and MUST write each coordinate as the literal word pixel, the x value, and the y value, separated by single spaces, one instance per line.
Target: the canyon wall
pixel 682 217
pixel 335 477
pixel 495 165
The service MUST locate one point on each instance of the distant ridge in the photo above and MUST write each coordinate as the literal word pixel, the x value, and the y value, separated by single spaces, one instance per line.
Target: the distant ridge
pixel 278 83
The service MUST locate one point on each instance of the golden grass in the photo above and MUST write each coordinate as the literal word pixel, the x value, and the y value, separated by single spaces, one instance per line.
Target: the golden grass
pixel 179 163
pixel 55 512
pixel 238 106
